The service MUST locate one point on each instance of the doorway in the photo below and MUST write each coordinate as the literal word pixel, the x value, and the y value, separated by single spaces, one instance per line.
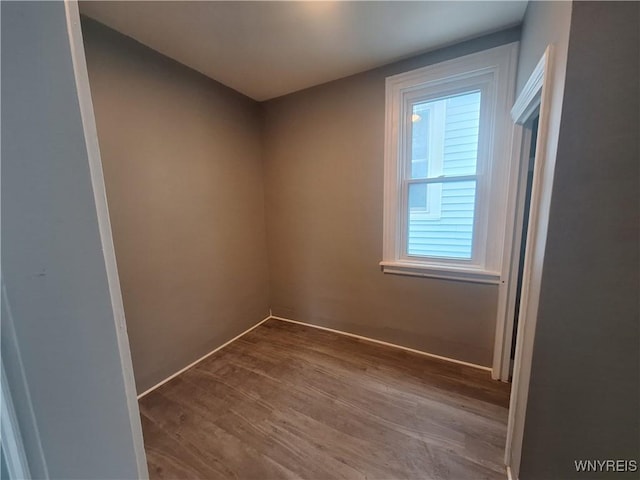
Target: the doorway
pixel 526 208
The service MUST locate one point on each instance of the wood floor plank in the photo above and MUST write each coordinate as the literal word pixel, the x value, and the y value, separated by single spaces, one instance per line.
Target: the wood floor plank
pixel 289 401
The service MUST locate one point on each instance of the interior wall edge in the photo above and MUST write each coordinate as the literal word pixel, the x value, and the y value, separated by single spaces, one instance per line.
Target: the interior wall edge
pixel 53 266
pixel 18 386
pixel 88 121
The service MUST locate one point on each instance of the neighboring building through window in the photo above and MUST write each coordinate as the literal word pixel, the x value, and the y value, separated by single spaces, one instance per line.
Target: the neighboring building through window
pixel 445 227
pixel 446 167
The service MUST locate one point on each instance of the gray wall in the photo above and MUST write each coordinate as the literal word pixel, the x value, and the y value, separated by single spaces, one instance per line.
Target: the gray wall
pixel 182 162
pixel 323 181
pixel 583 400
pixel 545 23
pixel 61 347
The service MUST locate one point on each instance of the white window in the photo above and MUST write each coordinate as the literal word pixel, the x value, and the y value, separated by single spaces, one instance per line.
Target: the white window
pixel 447 151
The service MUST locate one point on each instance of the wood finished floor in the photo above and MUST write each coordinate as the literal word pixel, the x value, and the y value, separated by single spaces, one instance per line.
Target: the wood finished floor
pixel 288 401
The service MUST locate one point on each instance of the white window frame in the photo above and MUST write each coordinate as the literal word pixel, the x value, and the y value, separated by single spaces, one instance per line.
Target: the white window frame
pixel 493 73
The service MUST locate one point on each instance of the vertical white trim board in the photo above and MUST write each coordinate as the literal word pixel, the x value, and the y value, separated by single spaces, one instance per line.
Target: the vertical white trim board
pixel 380 342
pixel 537 92
pixel 528 103
pixel 85 102
pixel 12 445
pixel 30 433
pixel 205 356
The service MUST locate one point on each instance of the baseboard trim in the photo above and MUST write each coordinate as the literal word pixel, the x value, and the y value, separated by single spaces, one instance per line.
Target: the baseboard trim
pixel 380 342
pixel 340 332
pixel 203 357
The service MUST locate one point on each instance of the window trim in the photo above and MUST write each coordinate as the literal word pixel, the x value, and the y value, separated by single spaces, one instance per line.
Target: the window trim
pixel 493 72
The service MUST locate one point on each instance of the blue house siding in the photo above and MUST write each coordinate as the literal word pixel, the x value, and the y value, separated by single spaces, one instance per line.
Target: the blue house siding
pixel 451 235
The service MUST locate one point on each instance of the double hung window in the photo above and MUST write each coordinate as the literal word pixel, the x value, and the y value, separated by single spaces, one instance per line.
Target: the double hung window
pixel 447 167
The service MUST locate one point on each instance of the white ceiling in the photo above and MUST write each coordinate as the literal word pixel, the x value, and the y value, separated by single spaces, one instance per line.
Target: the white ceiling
pixel 268 49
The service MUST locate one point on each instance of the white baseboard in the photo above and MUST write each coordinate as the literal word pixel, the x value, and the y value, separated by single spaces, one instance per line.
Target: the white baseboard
pixel 510 474
pixel 340 332
pixel 380 342
pixel 203 357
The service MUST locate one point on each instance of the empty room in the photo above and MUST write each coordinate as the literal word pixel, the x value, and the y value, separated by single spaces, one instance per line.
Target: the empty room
pixel 320 239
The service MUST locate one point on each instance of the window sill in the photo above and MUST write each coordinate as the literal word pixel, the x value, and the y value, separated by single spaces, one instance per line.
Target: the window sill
pixel 446 272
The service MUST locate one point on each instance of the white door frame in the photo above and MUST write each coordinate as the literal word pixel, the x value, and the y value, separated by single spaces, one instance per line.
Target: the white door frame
pixel 104 225
pixel 10 437
pixel 528 104
pixel 535 99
